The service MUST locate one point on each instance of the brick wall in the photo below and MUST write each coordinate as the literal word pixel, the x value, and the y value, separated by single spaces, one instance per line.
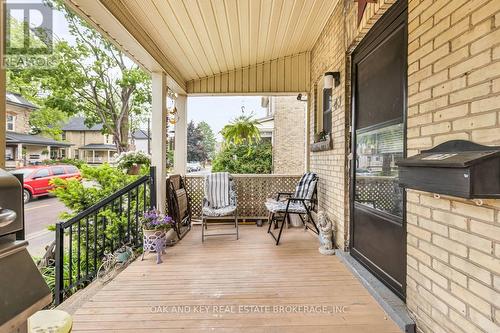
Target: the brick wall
pixel 453 279
pixel 289 135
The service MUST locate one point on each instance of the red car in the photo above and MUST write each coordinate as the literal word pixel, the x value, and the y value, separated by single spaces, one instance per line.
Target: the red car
pixel 37 178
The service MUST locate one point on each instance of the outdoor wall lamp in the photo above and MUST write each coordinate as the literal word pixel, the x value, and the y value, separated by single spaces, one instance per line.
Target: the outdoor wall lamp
pixel 331 78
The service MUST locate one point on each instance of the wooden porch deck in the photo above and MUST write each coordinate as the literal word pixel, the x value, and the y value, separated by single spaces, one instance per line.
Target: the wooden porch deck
pixel 212 282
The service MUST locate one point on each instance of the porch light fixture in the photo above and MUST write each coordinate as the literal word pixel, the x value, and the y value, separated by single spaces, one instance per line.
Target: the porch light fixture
pixel 331 78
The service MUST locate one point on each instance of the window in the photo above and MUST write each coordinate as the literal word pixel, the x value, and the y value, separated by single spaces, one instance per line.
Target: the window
pixel 323 108
pixel 72 169
pixel 11 122
pixel 76 154
pixel 63 135
pixel 42 173
pixel 58 171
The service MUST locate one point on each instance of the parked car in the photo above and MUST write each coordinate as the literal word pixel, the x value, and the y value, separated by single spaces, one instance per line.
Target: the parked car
pixel 193 166
pixel 37 178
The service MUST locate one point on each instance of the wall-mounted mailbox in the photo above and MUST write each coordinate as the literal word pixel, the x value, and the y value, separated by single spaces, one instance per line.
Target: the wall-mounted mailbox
pixel 457 168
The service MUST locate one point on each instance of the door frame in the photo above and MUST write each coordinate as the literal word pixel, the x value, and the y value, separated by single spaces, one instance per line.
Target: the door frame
pixel 382 29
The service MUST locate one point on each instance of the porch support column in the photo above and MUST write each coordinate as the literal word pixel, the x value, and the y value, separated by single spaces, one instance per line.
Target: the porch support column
pixel 159 137
pixel 93 156
pixel 180 148
pixel 48 152
pixel 19 156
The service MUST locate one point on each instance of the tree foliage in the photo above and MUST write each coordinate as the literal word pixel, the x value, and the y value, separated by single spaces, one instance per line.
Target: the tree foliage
pixel 208 139
pixel 91 77
pixel 244 158
pixel 196 150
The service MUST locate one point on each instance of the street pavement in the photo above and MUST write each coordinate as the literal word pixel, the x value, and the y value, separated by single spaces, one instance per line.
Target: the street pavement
pixel 38 215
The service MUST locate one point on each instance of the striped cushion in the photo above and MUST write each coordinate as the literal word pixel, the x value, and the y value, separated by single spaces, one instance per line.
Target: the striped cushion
pixel 305 187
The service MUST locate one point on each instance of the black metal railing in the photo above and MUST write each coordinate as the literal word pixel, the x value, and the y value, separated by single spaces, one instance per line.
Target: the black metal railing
pixel 82 241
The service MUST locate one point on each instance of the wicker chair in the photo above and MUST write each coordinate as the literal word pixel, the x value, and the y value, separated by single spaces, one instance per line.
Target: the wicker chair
pixel 299 203
pixel 211 210
pixel 179 205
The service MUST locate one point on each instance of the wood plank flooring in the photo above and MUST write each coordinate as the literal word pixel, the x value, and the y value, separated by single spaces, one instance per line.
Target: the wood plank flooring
pixel 224 285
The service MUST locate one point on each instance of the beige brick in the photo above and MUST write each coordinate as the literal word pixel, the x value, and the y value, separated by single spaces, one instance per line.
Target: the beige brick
pixel 471 35
pixel 435 103
pixel 453 58
pixel 485 292
pixel 434 251
pixel 413 196
pixel 418 232
pixel 417 10
pixel 421 96
pixel 412 218
pixel 487 104
pixel 450 7
pixel 485 120
pixel 448 298
pixel 423 119
pixel 413 132
pixel 470 64
pixel 447 137
pixel 413 67
pixel 422 51
pixel 485 260
pixel 413 46
pixel 422 142
pixel 450 219
pixel 436 302
pixel 451 112
pixel 435 202
pixel 484 73
pixel 470 93
pixel 433 226
pixel 496 52
pixel 449 272
pixel 456 30
pixel 419 278
pixel 438 128
pixel 473 210
pixel 483 322
pixel 483 12
pixel 435 55
pixel 491 231
pixel 434 276
pixel 486 136
pixel 444 322
pixel 466 9
pixel 449 86
pixel 433 80
pixel 486 42
pixel 419 210
pixel 419 255
pixel 413 110
pixel 465 324
pixel 449 245
pixel 470 240
pixel 468 297
pixel 470 269
pixel 436 30
pixel 496 85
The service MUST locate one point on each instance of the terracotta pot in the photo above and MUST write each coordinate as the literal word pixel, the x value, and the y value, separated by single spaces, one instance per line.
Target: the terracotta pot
pixel 134 169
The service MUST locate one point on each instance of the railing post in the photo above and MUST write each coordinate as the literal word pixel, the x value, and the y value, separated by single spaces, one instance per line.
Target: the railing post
pixel 59 278
pixel 152 187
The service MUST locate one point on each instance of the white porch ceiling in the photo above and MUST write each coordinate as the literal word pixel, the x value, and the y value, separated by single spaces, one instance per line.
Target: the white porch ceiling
pixel 194 39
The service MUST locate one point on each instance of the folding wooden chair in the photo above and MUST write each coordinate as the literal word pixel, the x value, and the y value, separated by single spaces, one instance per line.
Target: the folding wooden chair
pixel 179 205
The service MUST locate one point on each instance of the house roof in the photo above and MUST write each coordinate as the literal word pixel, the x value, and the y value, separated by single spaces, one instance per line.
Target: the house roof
pixel 17 99
pixel 140 134
pixel 14 137
pixel 98 146
pixel 78 124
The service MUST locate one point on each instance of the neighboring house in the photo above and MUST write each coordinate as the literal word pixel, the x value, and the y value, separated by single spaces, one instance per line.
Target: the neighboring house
pixel 89 143
pixel 23 148
pixel 141 141
pixel 285 125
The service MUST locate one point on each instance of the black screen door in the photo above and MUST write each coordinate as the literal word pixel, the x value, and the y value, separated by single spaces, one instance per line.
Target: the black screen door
pixel 378 232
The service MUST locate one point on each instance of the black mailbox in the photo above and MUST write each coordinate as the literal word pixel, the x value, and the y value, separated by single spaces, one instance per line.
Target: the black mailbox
pixel 458 168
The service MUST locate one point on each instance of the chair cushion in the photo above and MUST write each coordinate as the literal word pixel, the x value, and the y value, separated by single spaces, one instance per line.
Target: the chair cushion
pixel 275 206
pixel 214 212
pixel 56 321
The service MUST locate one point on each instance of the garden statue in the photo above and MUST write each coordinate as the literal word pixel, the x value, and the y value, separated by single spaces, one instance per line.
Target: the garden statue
pixel 325 234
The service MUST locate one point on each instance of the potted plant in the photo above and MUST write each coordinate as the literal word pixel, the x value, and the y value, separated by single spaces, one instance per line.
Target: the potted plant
pixel 155 227
pixel 322 141
pixel 132 161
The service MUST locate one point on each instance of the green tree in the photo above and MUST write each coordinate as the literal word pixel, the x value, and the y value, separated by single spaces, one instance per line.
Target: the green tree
pixel 208 139
pixel 244 158
pixel 242 130
pixel 91 77
pixel 195 148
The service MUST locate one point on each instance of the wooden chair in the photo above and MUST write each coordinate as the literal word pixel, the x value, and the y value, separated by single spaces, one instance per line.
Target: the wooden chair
pixel 299 203
pixel 179 205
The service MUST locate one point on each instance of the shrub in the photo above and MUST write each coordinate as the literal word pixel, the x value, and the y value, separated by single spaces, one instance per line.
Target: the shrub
pixel 245 158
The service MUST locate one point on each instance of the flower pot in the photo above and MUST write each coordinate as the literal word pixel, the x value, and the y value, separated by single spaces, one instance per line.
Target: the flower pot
pixel 134 169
